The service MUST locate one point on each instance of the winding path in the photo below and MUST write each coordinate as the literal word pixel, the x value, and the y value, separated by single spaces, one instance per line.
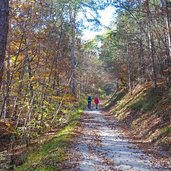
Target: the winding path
pixel 100 146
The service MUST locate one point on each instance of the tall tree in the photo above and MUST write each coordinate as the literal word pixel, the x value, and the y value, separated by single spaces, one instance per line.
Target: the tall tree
pixel 4 12
pixel 72 23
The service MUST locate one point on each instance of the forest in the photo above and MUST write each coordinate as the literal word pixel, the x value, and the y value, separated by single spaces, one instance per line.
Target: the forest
pixel 47 70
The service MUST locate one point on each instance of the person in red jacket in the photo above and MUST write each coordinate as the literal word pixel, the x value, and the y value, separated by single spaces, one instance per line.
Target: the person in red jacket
pixel 96 101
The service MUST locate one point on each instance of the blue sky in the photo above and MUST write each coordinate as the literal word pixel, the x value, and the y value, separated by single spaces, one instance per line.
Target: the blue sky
pixel 106 18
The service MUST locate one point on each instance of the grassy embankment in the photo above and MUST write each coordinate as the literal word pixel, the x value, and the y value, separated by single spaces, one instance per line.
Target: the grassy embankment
pixel 49 155
pixel 146 111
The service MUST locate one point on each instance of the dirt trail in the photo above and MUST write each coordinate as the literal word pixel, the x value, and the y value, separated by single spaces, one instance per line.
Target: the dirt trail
pixel 100 146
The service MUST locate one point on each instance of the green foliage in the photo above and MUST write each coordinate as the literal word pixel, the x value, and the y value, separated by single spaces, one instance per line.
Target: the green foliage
pixel 133 125
pixel 147 101
pixel 44 169
pixel 116 97
pixel 166 130
pixel 50 154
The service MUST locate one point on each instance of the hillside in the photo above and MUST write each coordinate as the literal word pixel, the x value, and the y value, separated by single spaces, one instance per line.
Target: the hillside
pixel 147 112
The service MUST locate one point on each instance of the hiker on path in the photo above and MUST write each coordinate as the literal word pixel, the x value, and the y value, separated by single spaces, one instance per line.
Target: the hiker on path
pixel 96 101
pixel 89 99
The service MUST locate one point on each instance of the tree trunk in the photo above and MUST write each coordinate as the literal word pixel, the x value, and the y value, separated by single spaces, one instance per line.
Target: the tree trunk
pixel 4 12
pixel 167 18
pixel 142 66
pixel 151 45
pixel 72 22
pixel 153 62
pixel 129 69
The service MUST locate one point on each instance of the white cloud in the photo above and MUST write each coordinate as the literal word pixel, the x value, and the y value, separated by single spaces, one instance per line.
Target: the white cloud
pixel 107 15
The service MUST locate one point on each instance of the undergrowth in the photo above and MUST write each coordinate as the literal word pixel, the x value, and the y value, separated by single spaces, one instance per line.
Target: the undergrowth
pixel 166 130
pixel 148 101
pixel 50 154
pixel 118 95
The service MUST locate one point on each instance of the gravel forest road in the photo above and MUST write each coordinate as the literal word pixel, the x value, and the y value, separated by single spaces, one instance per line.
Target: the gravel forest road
pixel 100 145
